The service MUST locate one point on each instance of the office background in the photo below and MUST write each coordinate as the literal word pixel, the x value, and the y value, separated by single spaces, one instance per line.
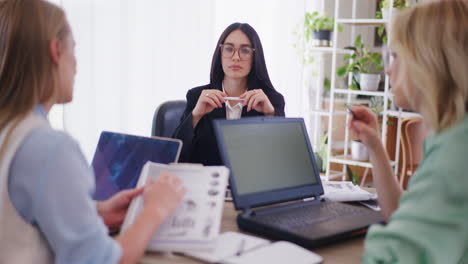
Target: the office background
pixel 135 54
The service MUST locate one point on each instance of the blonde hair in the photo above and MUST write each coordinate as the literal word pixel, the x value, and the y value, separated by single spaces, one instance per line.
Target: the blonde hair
pixel 27 75
pixel 431 41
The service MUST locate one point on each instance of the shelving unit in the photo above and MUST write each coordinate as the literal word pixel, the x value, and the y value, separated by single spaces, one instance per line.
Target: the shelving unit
pixel 349 96
pixel 325 114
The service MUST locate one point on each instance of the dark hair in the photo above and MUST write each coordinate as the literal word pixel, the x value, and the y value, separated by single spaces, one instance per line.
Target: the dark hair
pixel 258 75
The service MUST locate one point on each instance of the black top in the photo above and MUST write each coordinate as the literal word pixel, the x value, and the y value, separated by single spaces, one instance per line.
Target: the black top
pixel 199 143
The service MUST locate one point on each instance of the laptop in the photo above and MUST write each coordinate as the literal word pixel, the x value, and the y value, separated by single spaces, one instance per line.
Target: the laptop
pixel 119 158
pixel 273 166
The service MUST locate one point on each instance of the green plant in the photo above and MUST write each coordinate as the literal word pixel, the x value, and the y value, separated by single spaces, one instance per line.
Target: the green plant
pixel 352 175
pixel 385 4
pixel 327 84
pixel 362 61
pixel 315 22
pixel 400 4
pixel 322 153
pixel 376 104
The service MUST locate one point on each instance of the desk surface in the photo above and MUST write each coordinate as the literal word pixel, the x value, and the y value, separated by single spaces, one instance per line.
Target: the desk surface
pixel 348 251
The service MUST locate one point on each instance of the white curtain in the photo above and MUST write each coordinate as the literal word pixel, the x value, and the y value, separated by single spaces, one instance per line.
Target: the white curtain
pixel 134 55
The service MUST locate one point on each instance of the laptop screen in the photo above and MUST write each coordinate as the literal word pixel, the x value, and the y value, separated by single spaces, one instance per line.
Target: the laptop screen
pixel 267 155
pixel 119 158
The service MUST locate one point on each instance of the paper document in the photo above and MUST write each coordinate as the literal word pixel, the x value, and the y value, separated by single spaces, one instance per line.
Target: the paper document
pixel 345 191
pixel 279 252
pixel 197 220
pixel 228 244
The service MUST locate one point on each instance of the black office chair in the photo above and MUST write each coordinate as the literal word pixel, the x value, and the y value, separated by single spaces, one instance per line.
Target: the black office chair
pixel 167 117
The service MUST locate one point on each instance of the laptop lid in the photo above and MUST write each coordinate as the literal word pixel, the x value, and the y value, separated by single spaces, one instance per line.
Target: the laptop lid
pixel 119 159
pixel 271 160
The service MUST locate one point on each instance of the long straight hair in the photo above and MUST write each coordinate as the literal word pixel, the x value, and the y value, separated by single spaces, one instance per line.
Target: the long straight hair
pixel 431 41
pixel 27 73
pixel 258 76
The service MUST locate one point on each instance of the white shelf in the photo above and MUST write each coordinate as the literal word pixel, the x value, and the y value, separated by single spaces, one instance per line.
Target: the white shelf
pixel 325 112
pixel 363 22
pixel 359 92
pixel 403 114
pixel 341 159
pixel 345 101
pixel 330 50
pixel 333 175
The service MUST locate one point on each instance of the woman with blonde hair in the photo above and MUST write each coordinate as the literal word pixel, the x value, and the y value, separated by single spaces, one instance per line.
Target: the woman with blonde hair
pixel 46 211
pixel 428 223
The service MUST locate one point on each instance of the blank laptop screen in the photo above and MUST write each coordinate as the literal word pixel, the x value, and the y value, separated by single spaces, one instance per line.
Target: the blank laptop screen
pixel 268 156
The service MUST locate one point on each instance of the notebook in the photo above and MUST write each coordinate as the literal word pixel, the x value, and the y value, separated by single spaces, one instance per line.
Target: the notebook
pixel 238 248
pixel 119 158
pixel 272 165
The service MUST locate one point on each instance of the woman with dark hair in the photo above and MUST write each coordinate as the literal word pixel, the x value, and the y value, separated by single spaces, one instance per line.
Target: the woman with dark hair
pixel 239 87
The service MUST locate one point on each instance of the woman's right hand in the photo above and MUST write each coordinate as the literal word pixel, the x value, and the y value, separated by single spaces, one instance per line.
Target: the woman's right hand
pixel 164 195
pixel 364 123
pixel 207 102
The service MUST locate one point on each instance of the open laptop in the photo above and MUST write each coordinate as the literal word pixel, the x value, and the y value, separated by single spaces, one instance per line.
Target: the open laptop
pixel 272 164
pixel 119 158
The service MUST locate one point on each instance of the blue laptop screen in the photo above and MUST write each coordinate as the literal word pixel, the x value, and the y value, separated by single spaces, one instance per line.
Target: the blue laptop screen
pixel 119 159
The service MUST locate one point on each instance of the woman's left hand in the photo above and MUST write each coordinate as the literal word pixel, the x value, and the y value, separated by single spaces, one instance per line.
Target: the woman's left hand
pixel 258 101
pixel 114 209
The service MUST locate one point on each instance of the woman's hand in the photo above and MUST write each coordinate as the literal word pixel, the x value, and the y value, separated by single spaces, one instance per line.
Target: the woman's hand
pixel 207 102
pixel 160 199
pixel 258 101
pixel 114 209
pixel 364 123
pixel 164 195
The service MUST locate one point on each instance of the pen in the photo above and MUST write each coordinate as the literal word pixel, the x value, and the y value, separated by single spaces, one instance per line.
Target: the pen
pixel 241 248
pixel 351 112
pixel 233 98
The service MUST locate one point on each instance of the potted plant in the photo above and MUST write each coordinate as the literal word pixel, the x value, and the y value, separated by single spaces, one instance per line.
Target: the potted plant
pixel 359 151
pixel 397 6
pixel 368 64
pixel 384 13
pixel 320 27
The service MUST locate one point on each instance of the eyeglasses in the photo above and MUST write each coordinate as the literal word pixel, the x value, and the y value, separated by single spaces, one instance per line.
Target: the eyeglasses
pixel 388 57
pixel 228 50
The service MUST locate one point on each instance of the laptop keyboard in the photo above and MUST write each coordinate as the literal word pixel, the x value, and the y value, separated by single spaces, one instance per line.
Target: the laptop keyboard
pixel 299 217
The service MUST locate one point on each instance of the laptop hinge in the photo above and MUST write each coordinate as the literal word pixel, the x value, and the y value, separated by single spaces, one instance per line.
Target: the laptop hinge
pixel 248 212
pixel 314 197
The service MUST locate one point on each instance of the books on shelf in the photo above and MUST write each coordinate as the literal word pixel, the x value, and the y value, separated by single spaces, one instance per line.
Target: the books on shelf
pixel 196 222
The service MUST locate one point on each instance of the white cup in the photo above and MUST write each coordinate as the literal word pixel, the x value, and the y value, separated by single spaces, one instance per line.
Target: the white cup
pixel 359 151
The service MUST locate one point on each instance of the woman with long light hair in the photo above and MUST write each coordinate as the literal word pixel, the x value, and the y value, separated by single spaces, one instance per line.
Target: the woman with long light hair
pixel 428 223
pixel 46 211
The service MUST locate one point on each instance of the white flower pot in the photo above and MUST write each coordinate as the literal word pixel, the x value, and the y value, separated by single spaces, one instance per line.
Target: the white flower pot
pixel 369 82
pixel 386 13
pixel 359 151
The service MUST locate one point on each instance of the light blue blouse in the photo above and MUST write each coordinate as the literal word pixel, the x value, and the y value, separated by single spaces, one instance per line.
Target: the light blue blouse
pixel 50 185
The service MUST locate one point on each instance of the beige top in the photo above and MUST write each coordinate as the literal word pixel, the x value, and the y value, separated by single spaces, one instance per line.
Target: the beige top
pixel 20 242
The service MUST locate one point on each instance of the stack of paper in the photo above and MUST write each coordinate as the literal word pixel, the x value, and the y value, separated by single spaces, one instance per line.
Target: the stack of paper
pixel 345 191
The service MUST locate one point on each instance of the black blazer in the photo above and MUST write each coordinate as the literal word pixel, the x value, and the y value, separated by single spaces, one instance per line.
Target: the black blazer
pixel 199 143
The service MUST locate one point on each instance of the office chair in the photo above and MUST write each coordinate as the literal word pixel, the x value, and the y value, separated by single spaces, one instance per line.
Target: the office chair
pixel 412 137
pixel 166 118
